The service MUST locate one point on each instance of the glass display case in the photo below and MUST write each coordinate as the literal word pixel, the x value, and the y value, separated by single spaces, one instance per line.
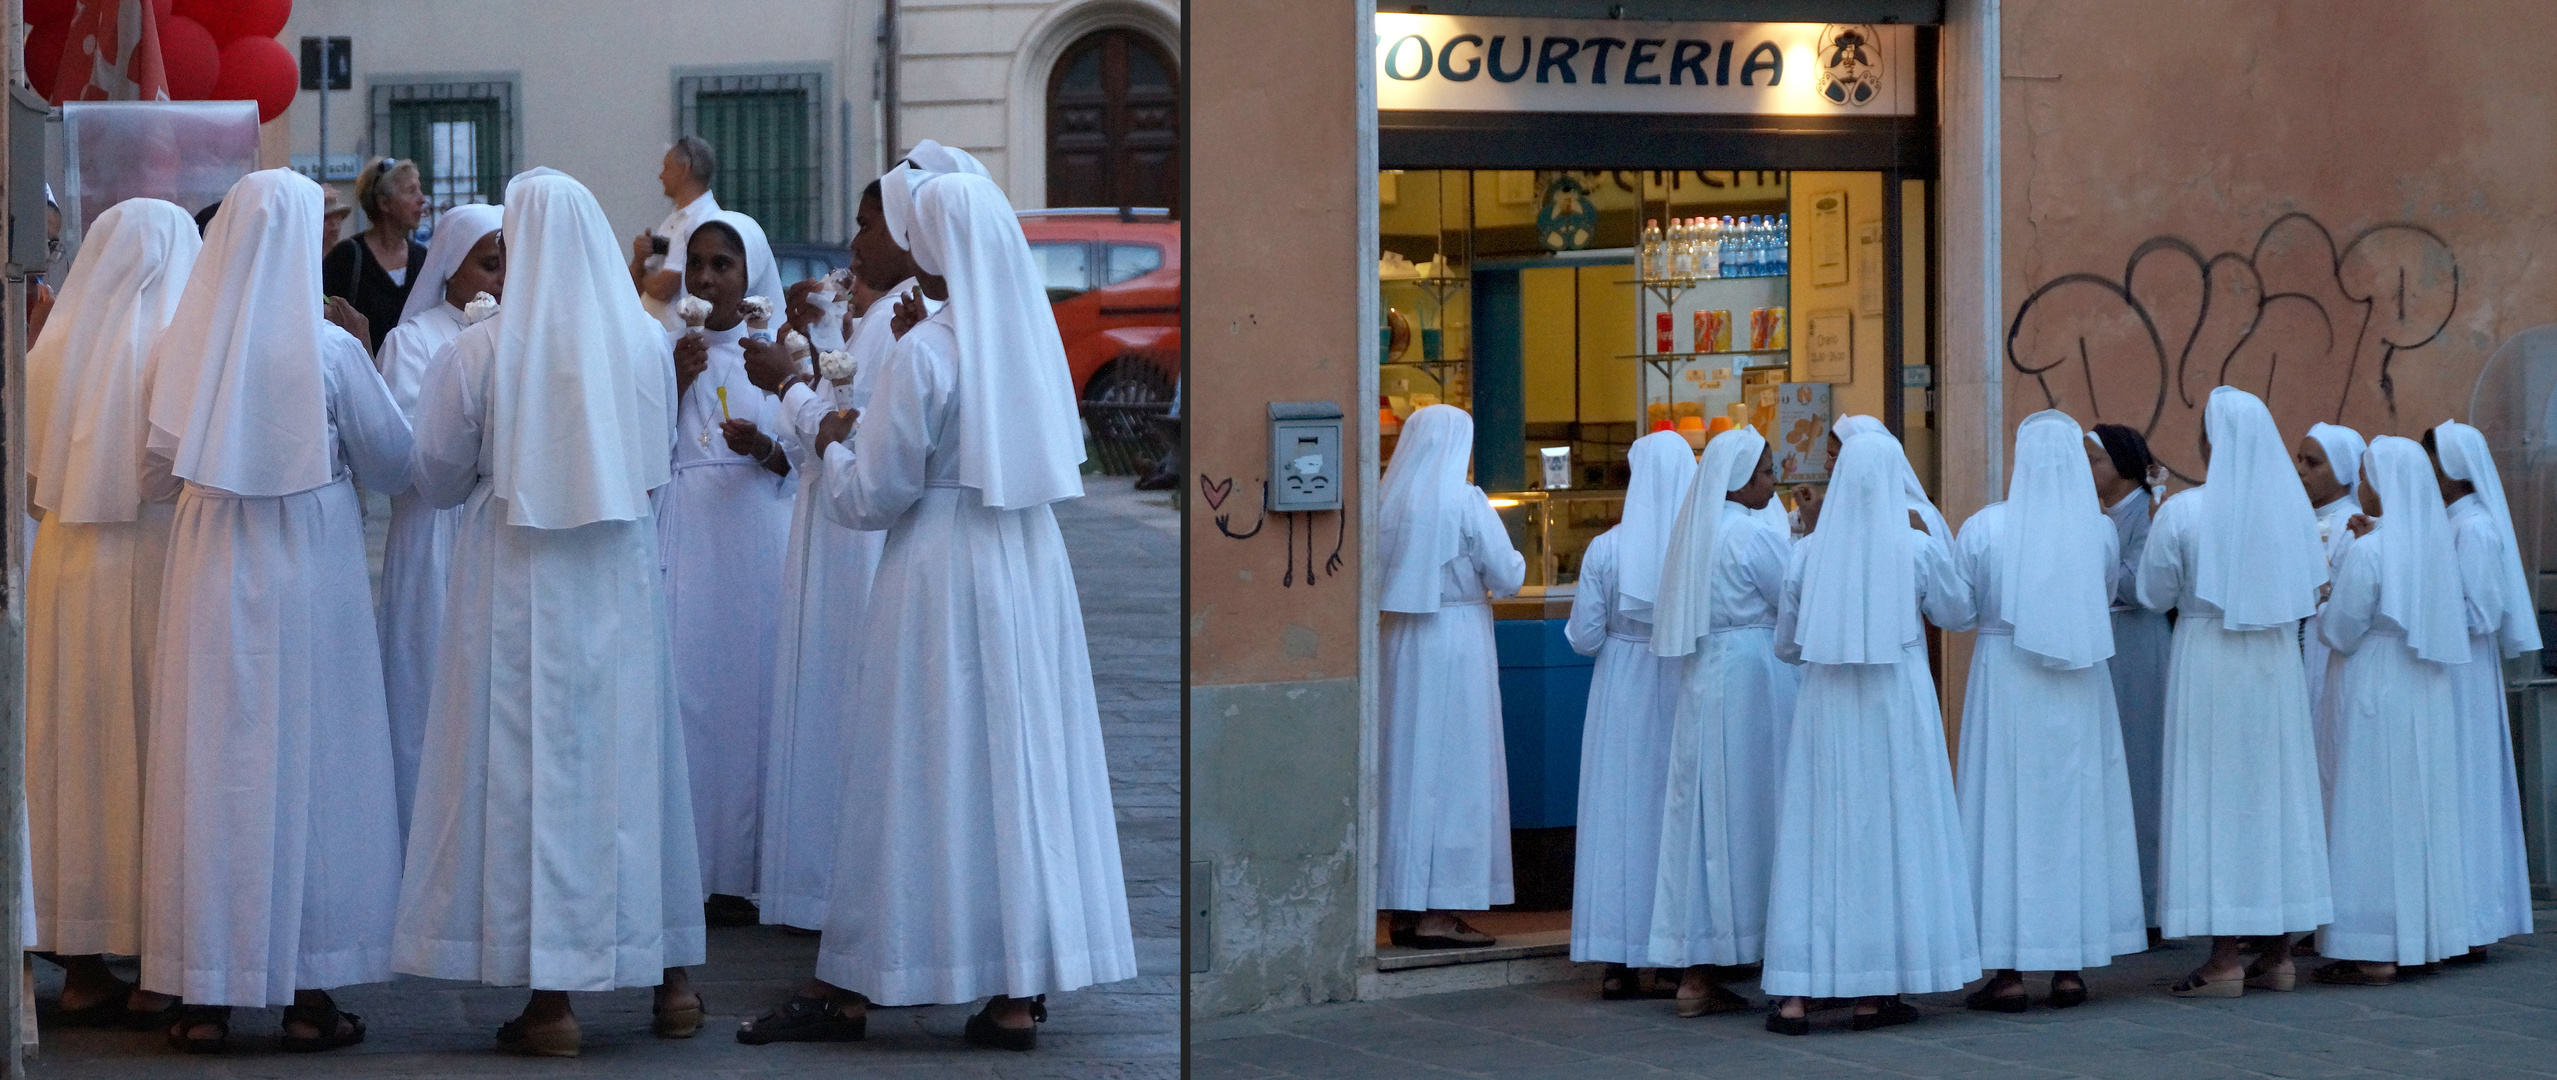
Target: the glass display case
pixel 1553 528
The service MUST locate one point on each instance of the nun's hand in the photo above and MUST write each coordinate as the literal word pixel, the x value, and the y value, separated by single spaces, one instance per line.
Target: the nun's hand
pixel 835 428
pixel 768 365
pixel 39 307
pixel 1917 522
pixel 802 309
pixel 350 320
pixel 692 357
pixel 1806 503
pixel 2359 525
pixel 909 312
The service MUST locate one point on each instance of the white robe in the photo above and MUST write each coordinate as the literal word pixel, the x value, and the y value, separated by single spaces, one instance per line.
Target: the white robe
pixel 2393 833
pixel 825 599
pixel 723 528
pixel 2242 835
pixel 270 838
pixel 1871 892
pixel 2140 639
pixel 2489 793
pixel 416 558
pixel 1624 759
pixel 553 841
pixel 93 611
pixel 1443 825
pixel 2046 795
pixel 2318 662
pixel 978 850
pixel 1731 717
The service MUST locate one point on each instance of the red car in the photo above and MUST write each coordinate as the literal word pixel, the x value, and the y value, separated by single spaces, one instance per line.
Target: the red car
pixel 1114 278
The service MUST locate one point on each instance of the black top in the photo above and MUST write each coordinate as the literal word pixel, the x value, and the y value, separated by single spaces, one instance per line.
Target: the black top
pixel 351 271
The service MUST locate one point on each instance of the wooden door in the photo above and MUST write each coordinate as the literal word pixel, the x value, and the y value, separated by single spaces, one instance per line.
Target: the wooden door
pixel 1114 124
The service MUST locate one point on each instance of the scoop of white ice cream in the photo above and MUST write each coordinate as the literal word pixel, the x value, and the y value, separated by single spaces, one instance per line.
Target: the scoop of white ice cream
pixel 480 307
pixel 693 310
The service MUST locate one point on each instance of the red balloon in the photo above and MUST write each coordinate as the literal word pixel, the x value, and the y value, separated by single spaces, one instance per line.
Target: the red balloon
pixel 260 70
pixel 189 56
pixel 162 9
pixel 231 20
pixel 44 55
pixel 49 12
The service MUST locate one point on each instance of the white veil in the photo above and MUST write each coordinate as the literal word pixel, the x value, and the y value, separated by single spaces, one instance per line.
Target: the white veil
pixel 84 373
pixel 2257 556
pixel 1662 466
pixel 1684 613
pixel 1419 510
pixel 2051 579
pixel 1860 575
pixel 2464 457
pixel 2418 580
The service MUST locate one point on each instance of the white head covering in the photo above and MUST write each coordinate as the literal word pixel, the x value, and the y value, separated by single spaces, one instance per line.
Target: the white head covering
pixel 2464 457
pixel 1663 467
pixel 763 274
pixel 84 373
pixel 2257 556
pixel 1848 427
pixel 1020 438
pixel 1420 513
pixel 2052 577
pixel 1683 614
pixel 931 156
pixel 896 192
pixel 237 376
pixel 2418 577
pixel 1859 576
pixel 2344 448
pixel 456 231
pixel 581 416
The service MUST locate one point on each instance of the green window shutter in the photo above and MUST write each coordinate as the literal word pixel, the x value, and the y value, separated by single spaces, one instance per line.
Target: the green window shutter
pixel 461 135
pixel 765 131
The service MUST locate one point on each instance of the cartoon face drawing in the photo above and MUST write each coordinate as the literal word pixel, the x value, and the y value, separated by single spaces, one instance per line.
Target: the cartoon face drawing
pixel 1850 64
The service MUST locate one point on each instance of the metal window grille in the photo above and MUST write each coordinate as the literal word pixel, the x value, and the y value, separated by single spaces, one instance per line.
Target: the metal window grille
pixel 765 129
pixel 460 134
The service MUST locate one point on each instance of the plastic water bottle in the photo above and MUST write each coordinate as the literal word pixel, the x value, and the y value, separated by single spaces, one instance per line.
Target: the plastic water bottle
pixel 1710 262
pixel 1784 244
pixel 1651 249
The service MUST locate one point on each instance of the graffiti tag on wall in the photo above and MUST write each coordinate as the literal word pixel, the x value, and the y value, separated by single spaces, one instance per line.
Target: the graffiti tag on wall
pixel 2318 329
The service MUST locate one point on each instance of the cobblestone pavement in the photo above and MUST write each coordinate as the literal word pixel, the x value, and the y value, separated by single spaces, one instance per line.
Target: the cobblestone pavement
pixel 1125 546
pixel 2491 1022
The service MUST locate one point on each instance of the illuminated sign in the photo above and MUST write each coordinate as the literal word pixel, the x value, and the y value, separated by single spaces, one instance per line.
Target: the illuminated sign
pixel 1456 63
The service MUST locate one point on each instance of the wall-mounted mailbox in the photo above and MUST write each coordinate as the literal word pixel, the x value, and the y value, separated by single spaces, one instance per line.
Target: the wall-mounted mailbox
pixel 1305 456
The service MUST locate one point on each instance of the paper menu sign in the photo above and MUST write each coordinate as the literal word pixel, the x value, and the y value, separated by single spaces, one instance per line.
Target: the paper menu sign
pixel 1801 437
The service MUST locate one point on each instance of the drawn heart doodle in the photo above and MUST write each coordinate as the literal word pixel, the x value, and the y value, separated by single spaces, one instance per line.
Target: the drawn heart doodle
pixel 1215 491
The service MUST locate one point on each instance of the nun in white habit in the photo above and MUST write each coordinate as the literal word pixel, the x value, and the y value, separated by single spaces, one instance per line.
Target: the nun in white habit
pixel 93 595
pixel 1633 695
pixel 553 841
pixel 1870 895
pixel 2046 801
pixel 2503 622
pixel 2329 460
pixel 1720 584
pixel 2120 461
pixel 2242 847
pixel 2398 625
pixel 979 854
pixel 1443 828
pixel 270 835
pixel 1913 489
pixel 465 261
pixel 723 528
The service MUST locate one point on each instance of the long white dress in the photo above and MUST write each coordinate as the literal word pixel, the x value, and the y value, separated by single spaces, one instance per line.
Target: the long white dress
pixel 825 599
pixel 2489 793
pixel 553 840
pixel 2242 835
pixel 723 528
pixel 2401 891
pixel 1870 893
pixel 978 850
pixel 2140 638
pixel 2318 662
pixel 1443 834
pixel 1624 758
pixel 271 842
pixel 1732 717
pixel 416 558
pixel 2045 792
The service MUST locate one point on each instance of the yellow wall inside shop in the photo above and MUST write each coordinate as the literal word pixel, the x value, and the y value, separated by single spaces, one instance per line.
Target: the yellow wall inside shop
pixel 1609 391
pixel 1550 345
pixel 1579 320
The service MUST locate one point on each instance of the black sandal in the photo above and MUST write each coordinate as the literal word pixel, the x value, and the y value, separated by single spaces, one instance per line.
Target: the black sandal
pixel 1781 1024
pixel 323 1019
pixel 983 1031
pixel 108 1011
pixel 196 1016
pixel 2066 997
pixel 805 1019
pixel 724 910
pixel 1891 1014
pixel 1985 1001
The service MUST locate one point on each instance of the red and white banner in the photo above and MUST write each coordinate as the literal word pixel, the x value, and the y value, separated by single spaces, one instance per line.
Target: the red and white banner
pixel 112 54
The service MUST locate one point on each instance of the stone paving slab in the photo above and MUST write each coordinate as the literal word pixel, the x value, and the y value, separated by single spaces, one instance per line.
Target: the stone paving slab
pixel 2490 1022
pixel 1125 547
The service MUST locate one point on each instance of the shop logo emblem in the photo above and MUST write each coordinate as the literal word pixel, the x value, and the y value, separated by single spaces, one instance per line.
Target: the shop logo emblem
pixel 1850 64
pixel 1565 217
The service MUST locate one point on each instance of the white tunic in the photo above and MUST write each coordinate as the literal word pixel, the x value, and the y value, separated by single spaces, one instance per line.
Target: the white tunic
pixel 1443 826
pixel 2140 639
pixel 2241 839
pixel 978 851
pixel 416 558
pixel 1870 893
pixel 2046 797
pixel 723 527
pixel 270 839
pixel 825 599
pixel 2489 794
pixel 2393 833
pixel 2318 664
pixel 1624 759
pixel 93 610
pixel 1732 716
pixel 553 841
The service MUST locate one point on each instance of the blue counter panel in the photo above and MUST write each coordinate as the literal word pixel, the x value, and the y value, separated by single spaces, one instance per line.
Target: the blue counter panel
pixel 1544 696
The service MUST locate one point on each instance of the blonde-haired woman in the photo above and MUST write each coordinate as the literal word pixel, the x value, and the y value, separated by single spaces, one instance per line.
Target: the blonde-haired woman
pixel 372 270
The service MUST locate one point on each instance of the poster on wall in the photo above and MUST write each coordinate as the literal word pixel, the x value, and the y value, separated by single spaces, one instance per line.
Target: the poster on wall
pixel 1869 269
pixel 1484 63
pixel 1828 347
pixel 1829 238
pixel 1803 416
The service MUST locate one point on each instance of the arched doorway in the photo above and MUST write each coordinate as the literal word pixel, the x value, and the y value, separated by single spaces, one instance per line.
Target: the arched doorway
pixel 1114 123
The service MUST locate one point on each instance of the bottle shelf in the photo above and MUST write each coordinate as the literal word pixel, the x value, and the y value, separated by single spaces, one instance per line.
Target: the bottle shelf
pixel 1704 355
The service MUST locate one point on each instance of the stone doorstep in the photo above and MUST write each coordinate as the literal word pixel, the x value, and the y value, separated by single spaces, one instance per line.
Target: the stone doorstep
pixel 1509 947
pixel 1517 959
